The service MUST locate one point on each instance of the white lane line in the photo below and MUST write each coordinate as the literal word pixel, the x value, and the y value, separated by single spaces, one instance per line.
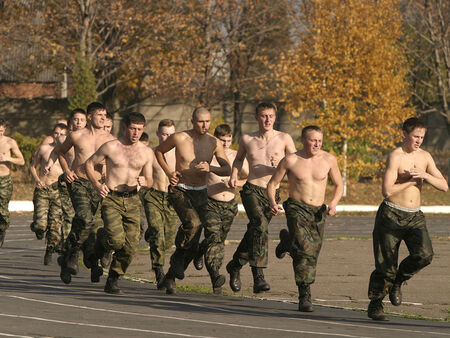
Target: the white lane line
pixel 359 301
pixel 183 319
pixel 5 251
pixel 101 326
pixel 13 335
pixel 19 240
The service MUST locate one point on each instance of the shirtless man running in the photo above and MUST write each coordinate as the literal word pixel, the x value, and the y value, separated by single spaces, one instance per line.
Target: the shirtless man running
pixel 399 218
pixel 194 151
pixel 264 150
pixel 84 196
pixel 126 158
pixel 8 149
pixel 307 170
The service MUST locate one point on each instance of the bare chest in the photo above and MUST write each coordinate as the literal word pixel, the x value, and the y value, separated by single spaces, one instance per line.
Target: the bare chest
pixel 310 170
pixel 5 148
pixel 194 151
pixel 409 161
pixel 265 152
pixel 129 158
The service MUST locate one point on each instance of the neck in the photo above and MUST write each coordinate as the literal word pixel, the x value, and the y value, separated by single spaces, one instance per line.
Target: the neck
pixel 266 133
pixel 408 149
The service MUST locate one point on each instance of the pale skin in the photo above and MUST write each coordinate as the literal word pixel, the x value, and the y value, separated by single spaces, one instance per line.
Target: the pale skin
pixel 40 160
pixel 160 179
pixel 407 167
pixel 218 187
pixel 126 159
pixel 108 125
pixel 9 153
pixel 308 170
pixel 85 142
pixel 194 150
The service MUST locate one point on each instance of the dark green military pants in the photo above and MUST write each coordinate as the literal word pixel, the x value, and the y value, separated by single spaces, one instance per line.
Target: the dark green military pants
pixel 66 205
pixel 306 226
pixel 219 217
pixel 6 190
pixel 162 220
pixel 253 247
pixel 121 218
pixel 87 220
pixel 190 206
pixel 391 227
pixel 47 215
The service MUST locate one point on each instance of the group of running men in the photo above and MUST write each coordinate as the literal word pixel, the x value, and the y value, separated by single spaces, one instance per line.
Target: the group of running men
pixel 99 184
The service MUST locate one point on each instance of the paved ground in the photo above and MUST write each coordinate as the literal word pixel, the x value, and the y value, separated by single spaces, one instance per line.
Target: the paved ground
pixel 34 302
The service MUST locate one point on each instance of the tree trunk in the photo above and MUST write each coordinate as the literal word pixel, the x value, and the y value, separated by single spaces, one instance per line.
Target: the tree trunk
pixel 344 169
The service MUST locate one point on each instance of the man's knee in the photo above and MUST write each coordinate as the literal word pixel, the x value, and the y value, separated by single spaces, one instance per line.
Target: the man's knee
pixel 424 260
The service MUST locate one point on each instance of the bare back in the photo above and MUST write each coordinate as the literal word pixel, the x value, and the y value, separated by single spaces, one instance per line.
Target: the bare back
pixel 218 187
pixel 160 179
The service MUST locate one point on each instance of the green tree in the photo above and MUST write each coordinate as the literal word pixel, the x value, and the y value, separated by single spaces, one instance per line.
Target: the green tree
pixel 84 84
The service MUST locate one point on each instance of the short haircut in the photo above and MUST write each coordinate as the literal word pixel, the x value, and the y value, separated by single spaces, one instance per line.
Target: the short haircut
pixel 76 111
pixel 134 117
pixel 166 123
pixel 144 137
pixel 199 110
pixel 222 130
pixel 307 129
pixel 94 107
pixel 2 123
pixel 264 106
pixel 412 123
pixel 109 116
pixel 60 126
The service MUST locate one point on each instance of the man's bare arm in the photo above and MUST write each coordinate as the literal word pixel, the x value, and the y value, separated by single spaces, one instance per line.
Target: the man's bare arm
pixel 147 170
pixel 290 145
pixel 336 178
pixel 389 186
pixel 34 162
pixel 222 159
pixel 55 154
pixel 95 159
pixel 274 182
pixel 18 159
pixel 432 175
pixel 163 148
pixel 237 163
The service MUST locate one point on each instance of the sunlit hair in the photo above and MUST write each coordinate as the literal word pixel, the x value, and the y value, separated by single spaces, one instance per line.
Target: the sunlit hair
pixel 264 106
pixel 76 111
pixel 222 130
pixel 2 123
pixel 93 107
pixel 307 129
pixel 197 111
pixel 61 126
pixel 134 117
pixel 165 123
pixel 412 123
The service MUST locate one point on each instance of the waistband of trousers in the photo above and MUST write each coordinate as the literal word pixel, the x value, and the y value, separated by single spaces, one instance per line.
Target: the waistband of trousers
pixel 189 187
pixel 124 194
pixel 398 207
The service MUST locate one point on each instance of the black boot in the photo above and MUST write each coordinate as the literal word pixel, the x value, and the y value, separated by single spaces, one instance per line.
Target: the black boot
pixel 39 234
pixel 233 269
pixel 168 282
pixel 375 310
pixel 2 237
pixel 48 255
pixel 284 245
pixel 217 280
pixel 159 275
pixel 71 261
pixel 304 298
pixel 102 253
pixel 111 285
pixel 198 260
pixel 177 263
pixel 395 293
pixel 96 272
pixel 65 275
pixel 259 283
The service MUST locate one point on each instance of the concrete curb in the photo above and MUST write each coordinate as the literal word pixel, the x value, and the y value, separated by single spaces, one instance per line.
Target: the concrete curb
pixel 431 209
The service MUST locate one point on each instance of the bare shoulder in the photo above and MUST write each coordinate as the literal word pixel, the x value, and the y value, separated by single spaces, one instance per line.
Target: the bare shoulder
pixel 329 157
pixel 282 135
pixel 10 140
pixel 291 159
pixel 181 136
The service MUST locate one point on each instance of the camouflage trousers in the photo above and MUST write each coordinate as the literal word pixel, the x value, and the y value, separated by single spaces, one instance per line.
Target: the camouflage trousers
pixel 6 190
pixel 253 247
pixel 306 226
pixel 190 206
pixel 66 206
pixel 47 215
pixel 162 220
pixel 391 227
pixel 87 219
pixel 219 217
pixel 121 217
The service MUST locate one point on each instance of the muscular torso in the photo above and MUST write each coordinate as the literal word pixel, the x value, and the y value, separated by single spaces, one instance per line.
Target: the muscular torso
pixel 218 185
pixel 160 179
pixel 263 156
pixel 409 197
pixel 5 149
pixel 308 177
pixel 125 164
pixel 189 152
pixel 54 172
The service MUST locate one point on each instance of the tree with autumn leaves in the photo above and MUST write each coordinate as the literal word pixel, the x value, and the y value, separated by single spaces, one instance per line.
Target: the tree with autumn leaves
pixel 347 75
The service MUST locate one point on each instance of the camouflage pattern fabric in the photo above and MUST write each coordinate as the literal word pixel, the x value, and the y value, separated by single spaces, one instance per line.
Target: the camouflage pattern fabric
pixel 66 205
pixel 391 227
pixel 121 217
pixel 6 190
pixel 306 226
pixel 253 247
pixel 87 220
pixel 219 218
pixel 162 221
pixel 47 215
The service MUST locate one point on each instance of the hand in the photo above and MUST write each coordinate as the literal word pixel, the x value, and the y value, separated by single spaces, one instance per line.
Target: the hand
pixel 40 184
pixel 174 177
pixel 417 173
pixel 71 176
pixel 46 170
pixel 232 182
pixel 203 166
pixel 103 190
pixel 331 209
pixel 275 208
pixel 4 158
pixel 274 161
pixel 142 182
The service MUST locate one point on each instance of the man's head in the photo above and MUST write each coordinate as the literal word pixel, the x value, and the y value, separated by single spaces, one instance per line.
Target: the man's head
pixel 144 138
pixel 201 120
pixel 414 131
pixel 77 119
pixel 166 128
pixel 96 113
pixel 2 127
pixel 108 125
pixel 265 115
pixel 134 124
pixel 312 137
pixel 59 132
pixel 223 133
